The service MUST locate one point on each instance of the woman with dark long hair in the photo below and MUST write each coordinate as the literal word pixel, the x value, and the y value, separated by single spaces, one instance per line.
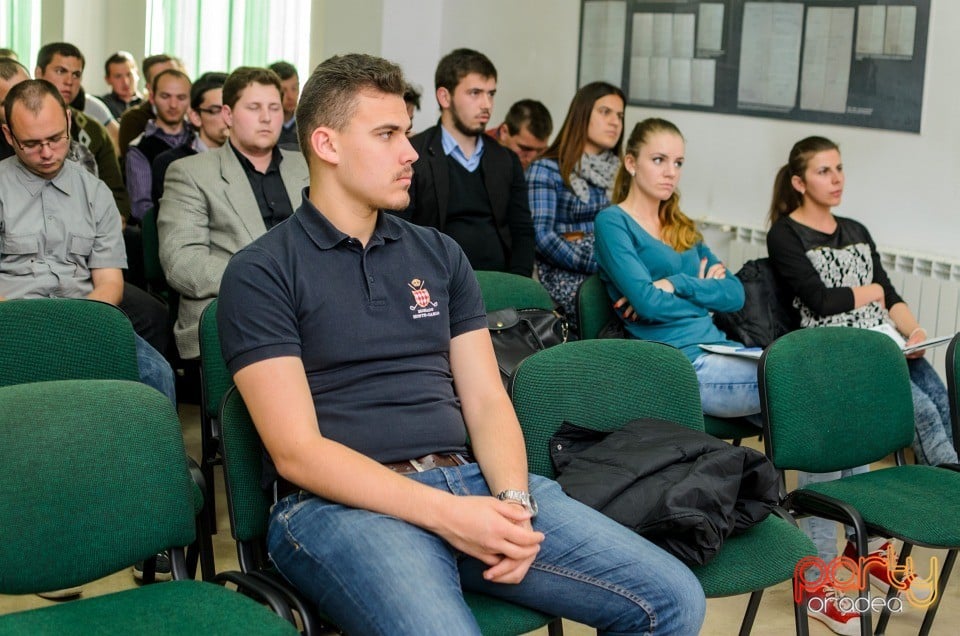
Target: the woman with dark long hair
pixel 831 266
pixel 570 184
pixel 649 251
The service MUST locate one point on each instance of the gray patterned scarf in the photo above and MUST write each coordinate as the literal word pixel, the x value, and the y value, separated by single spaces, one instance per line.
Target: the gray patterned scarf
pixel 596 170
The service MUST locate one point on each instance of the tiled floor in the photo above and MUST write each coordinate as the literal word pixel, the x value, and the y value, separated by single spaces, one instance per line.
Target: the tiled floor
pixel 723 615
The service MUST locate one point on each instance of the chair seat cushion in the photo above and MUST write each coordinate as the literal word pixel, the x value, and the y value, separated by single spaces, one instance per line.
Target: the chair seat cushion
pixel 500 617
pixel 928 506
pixel 764 555
pixel 729 428
pixel 177 607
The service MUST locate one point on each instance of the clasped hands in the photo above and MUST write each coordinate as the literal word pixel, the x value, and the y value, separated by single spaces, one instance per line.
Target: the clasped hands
pixel 498 533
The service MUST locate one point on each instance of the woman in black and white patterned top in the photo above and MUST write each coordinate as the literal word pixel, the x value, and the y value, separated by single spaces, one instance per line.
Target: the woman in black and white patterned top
pixel 833 269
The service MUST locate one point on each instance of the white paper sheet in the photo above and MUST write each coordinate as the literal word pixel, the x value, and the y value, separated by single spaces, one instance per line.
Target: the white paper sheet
pixel 899 34
pixel 703 82
pixel 710 33
pixel 871 23
pixel 602 42
pixel 770 54
pixel 826 59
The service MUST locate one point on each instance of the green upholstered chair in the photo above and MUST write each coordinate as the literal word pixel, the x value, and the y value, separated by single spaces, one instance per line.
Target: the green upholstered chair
pixel 43 339
pixel 953 387
pixel 594 309
pixel 839 397
pixel 502 290
pixel 65 339
pixel 152 270
pixel 595 312
pixel 102 482
pixel 603 384
pixel 249 510
pixel 215 379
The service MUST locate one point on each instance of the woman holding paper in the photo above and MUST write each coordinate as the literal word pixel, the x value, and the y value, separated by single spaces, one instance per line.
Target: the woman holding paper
pixel 651 253
pixel 832 266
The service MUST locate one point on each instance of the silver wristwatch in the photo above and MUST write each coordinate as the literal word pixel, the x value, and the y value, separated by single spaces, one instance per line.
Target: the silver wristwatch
pixel 523 498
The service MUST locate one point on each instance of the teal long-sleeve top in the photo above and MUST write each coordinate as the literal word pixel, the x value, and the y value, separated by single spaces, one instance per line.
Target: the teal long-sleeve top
pixel 630 260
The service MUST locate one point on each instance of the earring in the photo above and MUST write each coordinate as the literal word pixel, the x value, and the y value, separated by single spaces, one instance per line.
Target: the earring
pixel 632 173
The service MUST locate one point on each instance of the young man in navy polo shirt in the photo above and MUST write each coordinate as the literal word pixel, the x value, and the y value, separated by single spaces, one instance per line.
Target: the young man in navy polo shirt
pixel 359 344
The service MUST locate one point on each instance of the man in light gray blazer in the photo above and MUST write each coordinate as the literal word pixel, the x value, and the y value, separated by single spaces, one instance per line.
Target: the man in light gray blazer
pixel 217 202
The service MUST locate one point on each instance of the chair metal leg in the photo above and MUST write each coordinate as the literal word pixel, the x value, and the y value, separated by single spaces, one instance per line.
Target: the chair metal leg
pixel 891 593
pixel 751 614
pixel 555 627
pixel 941 588
pixel 800 618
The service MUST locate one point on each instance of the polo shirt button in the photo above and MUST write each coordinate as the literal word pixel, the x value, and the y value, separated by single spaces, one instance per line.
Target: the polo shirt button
pixel 370 279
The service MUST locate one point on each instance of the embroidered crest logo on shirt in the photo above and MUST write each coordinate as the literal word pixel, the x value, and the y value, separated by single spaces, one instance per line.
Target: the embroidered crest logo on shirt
pixel 424 307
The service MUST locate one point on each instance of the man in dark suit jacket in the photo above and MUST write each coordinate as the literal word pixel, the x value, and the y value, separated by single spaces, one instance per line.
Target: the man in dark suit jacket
pixel 466 187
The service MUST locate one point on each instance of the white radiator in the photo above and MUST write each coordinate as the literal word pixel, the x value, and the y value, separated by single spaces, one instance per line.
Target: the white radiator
pixel 929 284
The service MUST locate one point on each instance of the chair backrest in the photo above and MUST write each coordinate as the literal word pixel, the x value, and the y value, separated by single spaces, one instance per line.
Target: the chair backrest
pixel 594 309
pixel 65 339
pixel 215 379
pixel 502 290
pixel 953 386
pixel 602 385
pixel 96 480
pixel 152 270
pixel 834 398
pixel 242 466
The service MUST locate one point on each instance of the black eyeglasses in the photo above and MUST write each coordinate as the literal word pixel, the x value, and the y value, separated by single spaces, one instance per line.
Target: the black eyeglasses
pixel 34 145
pixel 211 110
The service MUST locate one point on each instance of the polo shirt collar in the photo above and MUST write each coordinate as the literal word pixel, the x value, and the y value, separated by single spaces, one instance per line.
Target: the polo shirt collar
pixel 34 183
pixel 326 236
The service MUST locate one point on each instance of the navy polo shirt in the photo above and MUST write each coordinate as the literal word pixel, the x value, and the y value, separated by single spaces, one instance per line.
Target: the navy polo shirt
pixel 372 326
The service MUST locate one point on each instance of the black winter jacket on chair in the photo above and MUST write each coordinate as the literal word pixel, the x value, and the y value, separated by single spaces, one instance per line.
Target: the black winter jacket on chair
pixel 682 489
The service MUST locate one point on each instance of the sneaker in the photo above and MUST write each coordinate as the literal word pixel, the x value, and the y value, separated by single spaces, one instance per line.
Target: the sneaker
pixel 880 573
pixel 61 595
pixel 162 571
pixel 822 605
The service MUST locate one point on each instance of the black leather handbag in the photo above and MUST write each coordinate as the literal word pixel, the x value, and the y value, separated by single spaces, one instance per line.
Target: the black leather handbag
pixel 518 333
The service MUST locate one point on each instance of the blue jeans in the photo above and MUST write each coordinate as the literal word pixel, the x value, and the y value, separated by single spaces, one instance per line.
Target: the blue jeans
pixel 375 574
pixel 933 437
pixel 154 370
pixel 728 386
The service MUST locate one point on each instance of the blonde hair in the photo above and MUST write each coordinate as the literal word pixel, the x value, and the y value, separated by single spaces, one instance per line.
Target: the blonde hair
pixel 676 229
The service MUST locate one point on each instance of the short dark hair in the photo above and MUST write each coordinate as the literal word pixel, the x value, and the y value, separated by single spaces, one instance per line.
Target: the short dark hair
pixel 459 63
pixel 329 97
pixel 532 114
pixel 120 57
pixel 10 67
pixel 411 95
pixel 285 70
pixel 206 82
pixel 160 58
pixel 244 76
pixel 30 93
pixel 164 73
pixel 63 49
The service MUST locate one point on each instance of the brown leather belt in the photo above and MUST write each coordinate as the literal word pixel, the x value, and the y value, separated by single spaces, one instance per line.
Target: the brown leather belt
pixel 576 235
pixel 283 488
pixel 429 462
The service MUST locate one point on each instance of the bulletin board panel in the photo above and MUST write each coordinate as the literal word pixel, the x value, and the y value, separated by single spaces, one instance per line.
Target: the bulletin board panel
pixel 853 63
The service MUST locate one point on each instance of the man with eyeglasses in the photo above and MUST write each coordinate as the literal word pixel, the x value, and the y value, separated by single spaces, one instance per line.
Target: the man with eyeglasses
pixel 210 128
pixel 59 225
pixel 217 202
pixel 170 96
